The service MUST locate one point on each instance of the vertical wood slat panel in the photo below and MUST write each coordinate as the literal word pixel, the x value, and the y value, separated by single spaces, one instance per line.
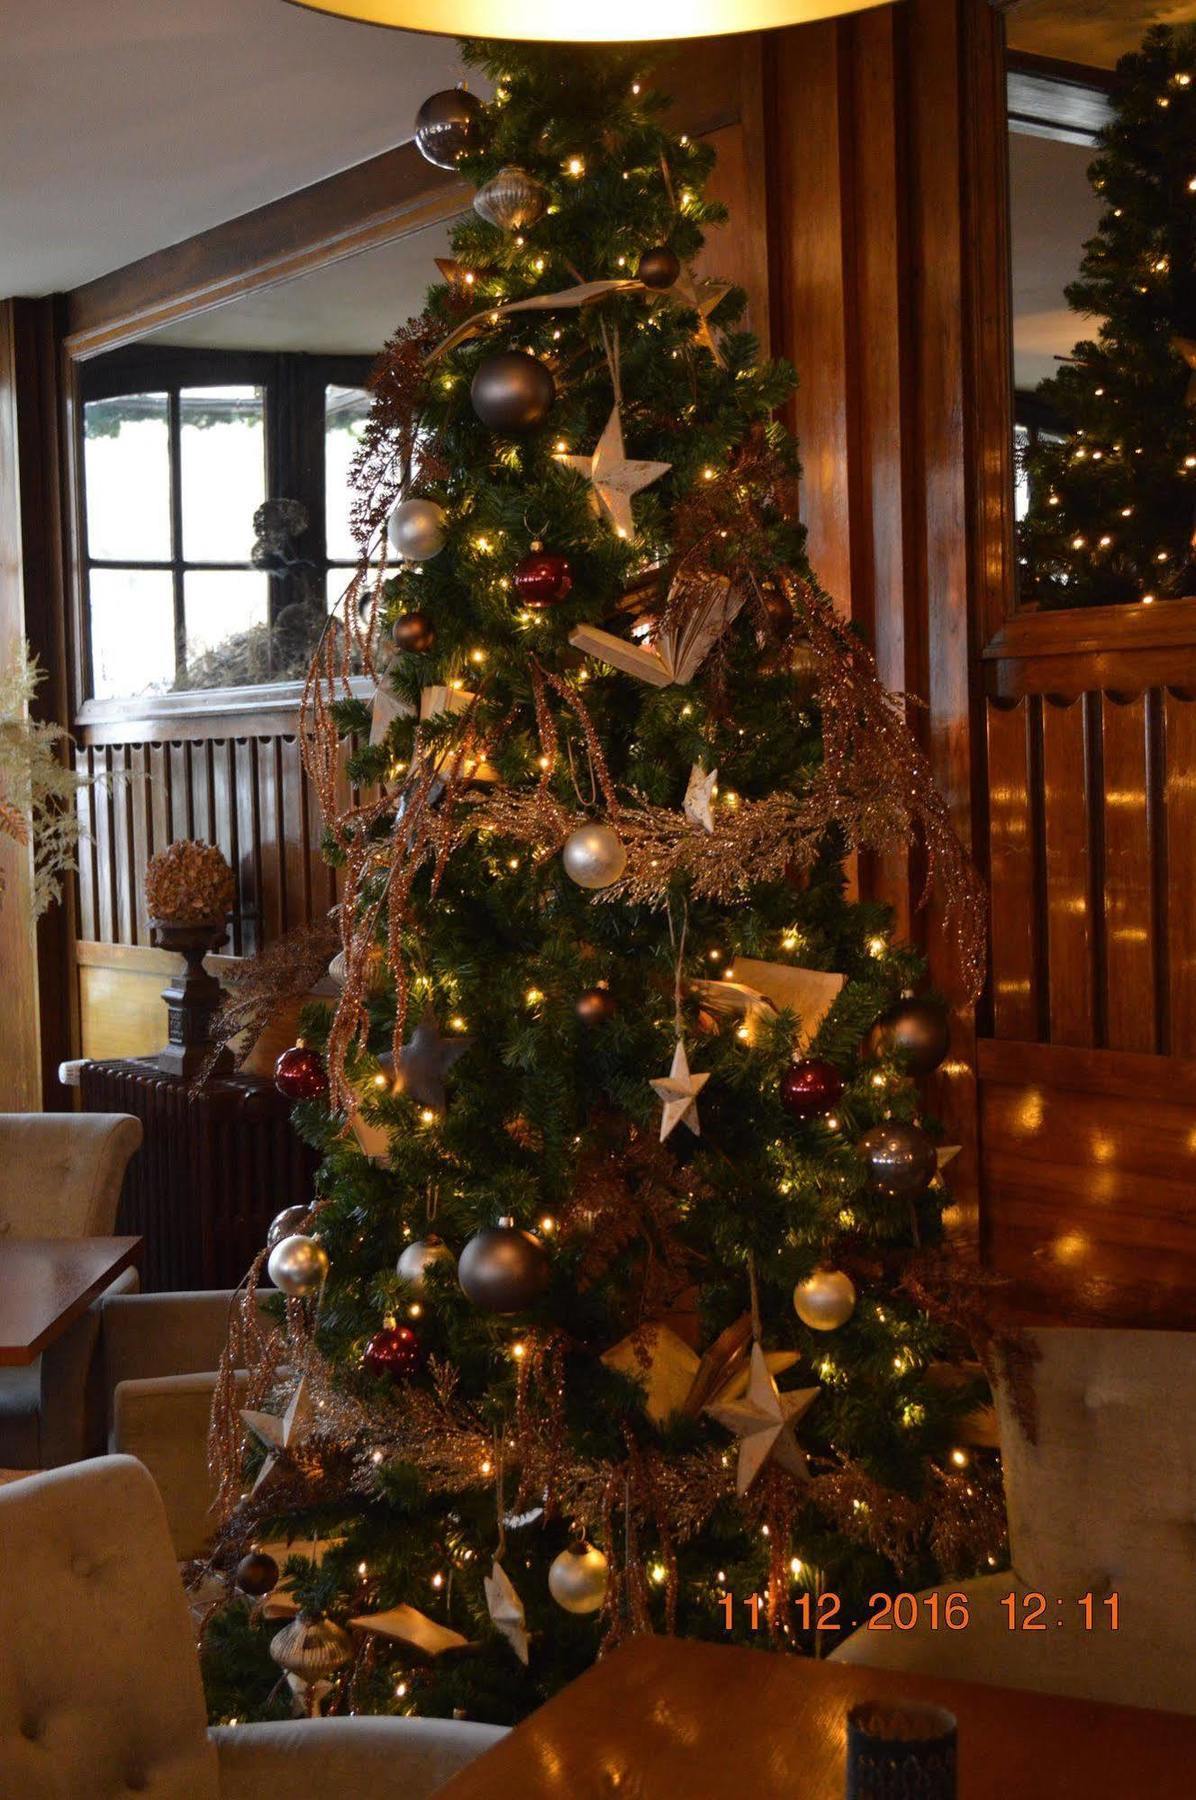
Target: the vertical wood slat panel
pixel 247 795
pixel 1130 1012
pixel 123 858
pixel 85 801
pixel 294 833
pixel 1179 791
pixel 1015 975
pixel 105 861
pixel 1067 836
pixel 811 320
pixel 272 897
pixel 181 798
pixel 141 806
pixel 224 813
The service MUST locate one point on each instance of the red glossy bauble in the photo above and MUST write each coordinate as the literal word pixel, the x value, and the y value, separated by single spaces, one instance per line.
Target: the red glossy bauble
pixel 299 1074
pixel 394 1351
pixel 543 578
pixel 810 1087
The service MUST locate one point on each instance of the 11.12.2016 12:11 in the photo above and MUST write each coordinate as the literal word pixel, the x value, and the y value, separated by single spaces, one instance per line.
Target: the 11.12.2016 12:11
pixel 1029 1611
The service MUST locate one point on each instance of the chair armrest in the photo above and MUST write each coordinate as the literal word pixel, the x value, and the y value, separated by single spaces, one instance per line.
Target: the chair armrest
pixel 369 1758
pixel 164 1423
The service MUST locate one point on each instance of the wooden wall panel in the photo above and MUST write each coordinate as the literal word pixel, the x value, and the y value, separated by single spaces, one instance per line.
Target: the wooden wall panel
pixel 1015 982
pixel 1178 913
pixel 1128 989
pixel 1066 745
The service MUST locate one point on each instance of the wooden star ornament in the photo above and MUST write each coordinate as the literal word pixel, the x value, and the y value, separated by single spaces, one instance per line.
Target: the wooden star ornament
pixel 764 1421
pixel 679 1092
pixel 700 297
pixel 615 477
pixel 423 1063
pixel 506 1610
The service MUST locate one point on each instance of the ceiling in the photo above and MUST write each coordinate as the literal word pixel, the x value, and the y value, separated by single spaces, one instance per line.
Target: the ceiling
pixel 1095 32
pixel 126 125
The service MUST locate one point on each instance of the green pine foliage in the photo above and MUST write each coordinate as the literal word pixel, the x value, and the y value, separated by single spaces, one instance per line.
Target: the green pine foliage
pixel 505 945
pixel 1114 503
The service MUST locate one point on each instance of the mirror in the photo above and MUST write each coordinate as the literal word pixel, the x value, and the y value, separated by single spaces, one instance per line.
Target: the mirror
pixel 214 460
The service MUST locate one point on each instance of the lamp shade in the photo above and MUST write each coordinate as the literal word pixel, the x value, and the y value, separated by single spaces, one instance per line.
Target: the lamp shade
pixel 591 21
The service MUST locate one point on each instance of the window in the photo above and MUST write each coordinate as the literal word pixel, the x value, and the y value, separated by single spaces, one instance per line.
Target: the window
pixel 180 449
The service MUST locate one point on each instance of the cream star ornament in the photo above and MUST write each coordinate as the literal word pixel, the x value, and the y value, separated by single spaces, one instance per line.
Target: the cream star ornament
pixel 615 478
pixel 679 1091
pixel 283 1433
pixel 764 1422
pixel 699 797
pixel 700 297
pixel 506 1609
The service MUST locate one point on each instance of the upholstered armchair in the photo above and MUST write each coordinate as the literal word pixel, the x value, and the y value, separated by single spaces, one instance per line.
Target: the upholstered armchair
pixel 100 1692
pixel 60 1176
pixel 159 1354
pixel 1104 1502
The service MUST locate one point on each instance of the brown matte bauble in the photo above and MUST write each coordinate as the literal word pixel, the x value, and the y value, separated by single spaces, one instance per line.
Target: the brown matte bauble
pixel 394 1351
pixel 299 1074
pixel 797 662
pixel 503 1269
pixel 543 578
pixel 916 1030
pixel 810 1087
pixel 512 392
pixel 596 1006
pixel 658 267
pixel 777 611
pixel 900 1158
pixel 257 1574
pixel 413 632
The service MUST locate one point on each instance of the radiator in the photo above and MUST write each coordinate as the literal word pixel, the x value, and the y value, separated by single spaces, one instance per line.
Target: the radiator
pixel 211 1173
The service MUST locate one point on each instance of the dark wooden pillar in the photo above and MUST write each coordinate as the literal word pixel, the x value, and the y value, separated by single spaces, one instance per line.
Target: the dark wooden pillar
pixel 890 283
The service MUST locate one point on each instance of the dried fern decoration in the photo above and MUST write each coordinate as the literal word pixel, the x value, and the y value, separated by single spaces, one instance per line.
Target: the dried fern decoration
pixel 38 788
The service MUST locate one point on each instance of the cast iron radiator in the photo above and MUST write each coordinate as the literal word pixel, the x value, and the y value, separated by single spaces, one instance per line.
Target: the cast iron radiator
pixel 211 1173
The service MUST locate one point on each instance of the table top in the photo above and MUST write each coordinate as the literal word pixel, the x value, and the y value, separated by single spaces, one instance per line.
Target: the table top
pixel 666 1719
pixel 47 1283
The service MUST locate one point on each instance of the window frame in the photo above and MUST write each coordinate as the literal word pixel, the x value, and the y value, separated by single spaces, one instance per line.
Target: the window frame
pixel 293 385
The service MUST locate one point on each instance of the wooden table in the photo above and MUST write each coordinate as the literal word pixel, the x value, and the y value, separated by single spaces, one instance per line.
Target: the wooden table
pixel 47 1283
pixel 663 1719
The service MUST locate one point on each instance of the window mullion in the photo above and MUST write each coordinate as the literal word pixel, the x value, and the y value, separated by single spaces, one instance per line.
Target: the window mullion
pixel 176 532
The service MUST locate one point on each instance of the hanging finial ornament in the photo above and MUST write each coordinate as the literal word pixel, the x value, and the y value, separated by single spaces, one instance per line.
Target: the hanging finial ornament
pixel 615 478
pixel 513 200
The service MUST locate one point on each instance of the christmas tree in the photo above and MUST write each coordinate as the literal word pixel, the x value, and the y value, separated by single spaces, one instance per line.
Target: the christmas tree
pixel 626 1304
pixel 1112 504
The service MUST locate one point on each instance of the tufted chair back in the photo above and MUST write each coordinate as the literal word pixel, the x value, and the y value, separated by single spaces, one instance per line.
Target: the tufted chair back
pixel 61 1173
pixel 99 1686
pixel 1106 1499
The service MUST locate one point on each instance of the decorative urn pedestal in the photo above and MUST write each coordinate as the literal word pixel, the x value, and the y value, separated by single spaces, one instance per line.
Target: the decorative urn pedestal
pixel 191 998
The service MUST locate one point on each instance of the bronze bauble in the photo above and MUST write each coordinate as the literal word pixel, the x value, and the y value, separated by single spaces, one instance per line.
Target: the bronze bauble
pixel 596 1006
pixel 512 392
pixel 900 1159
pixel 503 1269
pixel 825 1300
pixel 413 632
pixel 257 1574
pixel 658 267
pixel 446 126
pixel 916 1030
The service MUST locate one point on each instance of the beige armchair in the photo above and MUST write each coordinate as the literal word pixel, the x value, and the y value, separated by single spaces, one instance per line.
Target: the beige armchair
pixel 159 1354
pixel 100 1692
pixel 60 1176
pixel 1104 1503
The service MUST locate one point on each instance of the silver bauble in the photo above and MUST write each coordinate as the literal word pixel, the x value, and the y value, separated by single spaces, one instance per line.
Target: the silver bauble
pixel 512 392
pixel 446 126
pixel 290 1220
pixel 578 1577
pixel 900 1159
pixel 512 199
pixel 825 1300
pixel 594 856
pixel 503 1269
pixel 917 1030
pixel 311 1648
pixel 297 1265
pixel 419 1257
pixel 417 530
